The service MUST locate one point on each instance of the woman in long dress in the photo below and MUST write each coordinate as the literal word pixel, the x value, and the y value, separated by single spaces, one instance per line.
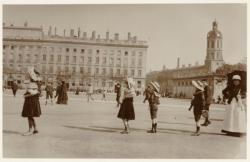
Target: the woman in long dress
pixel 235 115
pixel 126 111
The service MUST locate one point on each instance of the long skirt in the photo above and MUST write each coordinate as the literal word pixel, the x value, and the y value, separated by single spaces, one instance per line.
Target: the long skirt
pixel 235 118
pixel 127 109
pixel 31 107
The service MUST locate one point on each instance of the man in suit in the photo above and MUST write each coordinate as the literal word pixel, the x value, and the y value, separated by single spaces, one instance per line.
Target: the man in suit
pixel 208 99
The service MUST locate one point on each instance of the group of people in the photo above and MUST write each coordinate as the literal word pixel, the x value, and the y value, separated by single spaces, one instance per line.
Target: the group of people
pixel 125 101
pixel 234 121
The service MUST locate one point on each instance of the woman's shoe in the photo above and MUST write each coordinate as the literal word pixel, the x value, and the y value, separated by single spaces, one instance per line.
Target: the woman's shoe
pixel 35 132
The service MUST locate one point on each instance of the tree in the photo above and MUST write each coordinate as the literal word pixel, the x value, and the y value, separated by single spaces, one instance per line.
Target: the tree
pixel 227 68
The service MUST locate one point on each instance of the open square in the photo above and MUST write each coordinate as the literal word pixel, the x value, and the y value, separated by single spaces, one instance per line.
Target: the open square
pixel 92 130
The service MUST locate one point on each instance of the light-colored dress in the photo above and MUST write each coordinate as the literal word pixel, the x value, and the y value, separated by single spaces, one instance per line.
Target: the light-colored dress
pixel 235 117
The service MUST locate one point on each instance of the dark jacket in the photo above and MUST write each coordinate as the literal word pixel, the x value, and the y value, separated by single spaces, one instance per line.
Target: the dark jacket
pixel 231 92
pixel 198 100
pixel 207 95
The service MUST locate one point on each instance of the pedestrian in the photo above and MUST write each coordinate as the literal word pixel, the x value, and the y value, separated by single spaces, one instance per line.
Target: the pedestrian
pixel 146 93
pixel 90 92
pixel 64 95
pixel 58 93
pixel 14 88
pixel 31 107
pixel 198 102
pixel 154 101
pixel 77 91
pixel 118 93
pixel 126 111
pixel 235 116
pixel 208 100
pixel 103 94
pixel 49 92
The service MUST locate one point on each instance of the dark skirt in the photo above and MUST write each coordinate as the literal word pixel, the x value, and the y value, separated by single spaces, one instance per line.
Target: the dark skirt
pixel 127 109
pixel 31 107
pixel 197 112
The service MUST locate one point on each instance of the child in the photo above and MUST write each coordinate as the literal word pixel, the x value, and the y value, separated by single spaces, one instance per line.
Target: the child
pixel 154 101
pixel 198 102
pixel 31 107
pixel 126 111
pixel 49 92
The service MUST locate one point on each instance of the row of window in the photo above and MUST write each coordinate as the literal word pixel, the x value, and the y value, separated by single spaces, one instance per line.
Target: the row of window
pixel 74 50
pixel 74 60
pixel 211 44
pixel 98 71
pixel 82 70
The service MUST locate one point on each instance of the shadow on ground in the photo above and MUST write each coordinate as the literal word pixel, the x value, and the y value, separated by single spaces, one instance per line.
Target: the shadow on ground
pixel 12 132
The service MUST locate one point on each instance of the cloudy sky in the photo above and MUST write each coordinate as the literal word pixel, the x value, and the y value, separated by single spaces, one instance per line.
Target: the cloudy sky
pixel 171 30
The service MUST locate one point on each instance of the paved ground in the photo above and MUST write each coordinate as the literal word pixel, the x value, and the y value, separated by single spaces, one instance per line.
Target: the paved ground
pixel 92 130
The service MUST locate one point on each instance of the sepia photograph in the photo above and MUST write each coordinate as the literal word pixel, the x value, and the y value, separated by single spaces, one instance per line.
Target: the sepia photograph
pixel 124 81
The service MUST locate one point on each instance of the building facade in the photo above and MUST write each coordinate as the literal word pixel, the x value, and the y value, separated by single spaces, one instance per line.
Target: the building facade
pixel 76 58
pixel 180 85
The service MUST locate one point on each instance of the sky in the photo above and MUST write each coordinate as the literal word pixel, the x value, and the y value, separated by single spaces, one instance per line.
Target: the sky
pixel 171 30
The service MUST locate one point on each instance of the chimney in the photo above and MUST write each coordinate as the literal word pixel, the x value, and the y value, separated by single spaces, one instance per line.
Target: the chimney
pixel 98 37
pixel 55 31
pixel 71 32
pixel 64 32
pixel 25 23
pixel 129 36
pixel 135 38
pixel 93 35
pixel 116 36
pixel 79 32
pixel 84 35
pixel 178 62
pixel 107 35
pixel 49 32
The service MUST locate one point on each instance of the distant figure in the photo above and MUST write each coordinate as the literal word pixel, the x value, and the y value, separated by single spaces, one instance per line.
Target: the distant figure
pixel 90 92
pixel 64 99
pixel 61 93
pixel 77 91
pixel 104 94
pixel 58 93
pixel 118 93
pixel 14 88
pixel 49 92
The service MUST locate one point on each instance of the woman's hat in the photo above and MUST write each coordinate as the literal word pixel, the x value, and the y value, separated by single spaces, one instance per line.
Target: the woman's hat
pixel 131 82
pixel 156 86
pixel 200 83
pixel 34 75
pixel 236 77
pixel 196 85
